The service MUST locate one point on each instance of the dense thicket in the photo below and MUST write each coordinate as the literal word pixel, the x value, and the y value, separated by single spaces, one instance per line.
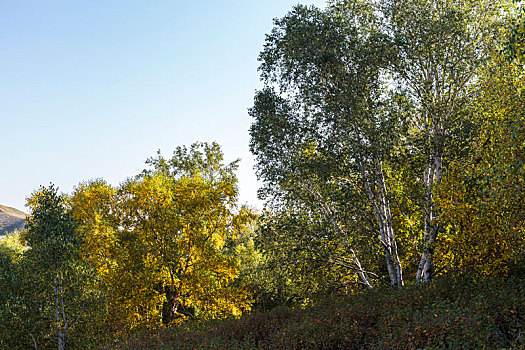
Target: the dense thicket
pixel 452 313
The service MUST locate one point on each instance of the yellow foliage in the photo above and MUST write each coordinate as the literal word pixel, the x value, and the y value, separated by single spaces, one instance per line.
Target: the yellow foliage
pixel 160 244
pixel 483 198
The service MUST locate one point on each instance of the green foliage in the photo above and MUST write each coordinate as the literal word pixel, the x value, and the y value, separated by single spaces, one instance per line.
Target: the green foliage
pixel 514 47
pixel 58 285
pixel 364 107
pixel 51 230
pixel 12 308
pixel 46 289
pixel 303 259
pixel 324 125
pixel 389 136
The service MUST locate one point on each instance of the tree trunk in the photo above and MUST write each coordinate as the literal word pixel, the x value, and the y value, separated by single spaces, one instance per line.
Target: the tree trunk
pixel 377 194
pixel 60 330
pixel 325 208
pixel 432 175
pixel 170 305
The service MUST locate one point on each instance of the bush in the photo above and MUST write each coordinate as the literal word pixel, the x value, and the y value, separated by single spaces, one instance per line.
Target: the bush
pixel 454 312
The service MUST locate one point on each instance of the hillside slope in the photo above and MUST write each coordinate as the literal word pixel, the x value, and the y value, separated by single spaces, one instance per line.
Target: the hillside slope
pixel 11 219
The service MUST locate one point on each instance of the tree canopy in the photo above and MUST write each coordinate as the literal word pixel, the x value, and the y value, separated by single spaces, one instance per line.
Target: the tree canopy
pixel 367 107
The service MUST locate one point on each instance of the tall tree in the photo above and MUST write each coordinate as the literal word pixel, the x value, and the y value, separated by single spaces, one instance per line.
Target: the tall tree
pixel 323 134
pixel 441 45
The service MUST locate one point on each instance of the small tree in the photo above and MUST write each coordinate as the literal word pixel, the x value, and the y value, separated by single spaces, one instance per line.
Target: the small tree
pixel 54 260
pixel 169 243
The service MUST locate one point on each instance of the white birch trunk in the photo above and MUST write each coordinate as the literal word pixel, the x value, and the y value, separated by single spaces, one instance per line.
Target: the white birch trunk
pixel 329 214
pixel 59 314
pixel 432 176
pixel 379 200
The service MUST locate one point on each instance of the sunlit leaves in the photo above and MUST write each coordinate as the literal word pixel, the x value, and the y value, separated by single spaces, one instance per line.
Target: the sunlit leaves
pixel 164 241
pixel 483 196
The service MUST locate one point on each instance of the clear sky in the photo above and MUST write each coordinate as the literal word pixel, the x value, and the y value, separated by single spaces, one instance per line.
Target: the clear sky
pixel 91 88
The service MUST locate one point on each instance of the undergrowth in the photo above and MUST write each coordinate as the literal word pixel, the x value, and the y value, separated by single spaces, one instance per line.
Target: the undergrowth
pixel 451 313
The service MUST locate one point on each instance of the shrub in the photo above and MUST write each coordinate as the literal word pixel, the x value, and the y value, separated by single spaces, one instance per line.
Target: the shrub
pixel 454 312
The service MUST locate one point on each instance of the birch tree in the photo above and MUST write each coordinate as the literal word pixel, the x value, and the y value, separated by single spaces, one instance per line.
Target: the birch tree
pixel 442 44
pixel 322 122
pixel 54 258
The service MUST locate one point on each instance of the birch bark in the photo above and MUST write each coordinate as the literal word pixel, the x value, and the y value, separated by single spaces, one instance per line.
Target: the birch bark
pixel 327 211
pixel 377 194
pixel 59 314
pixel 432 176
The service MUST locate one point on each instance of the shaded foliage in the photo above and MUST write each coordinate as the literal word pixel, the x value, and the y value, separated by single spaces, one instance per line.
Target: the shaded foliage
pixel 455 312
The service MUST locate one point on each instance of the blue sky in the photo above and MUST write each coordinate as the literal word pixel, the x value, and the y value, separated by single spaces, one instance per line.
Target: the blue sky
pixel 91 88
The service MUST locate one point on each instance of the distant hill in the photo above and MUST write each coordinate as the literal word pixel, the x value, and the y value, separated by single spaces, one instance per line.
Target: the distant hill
pixel 11 219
